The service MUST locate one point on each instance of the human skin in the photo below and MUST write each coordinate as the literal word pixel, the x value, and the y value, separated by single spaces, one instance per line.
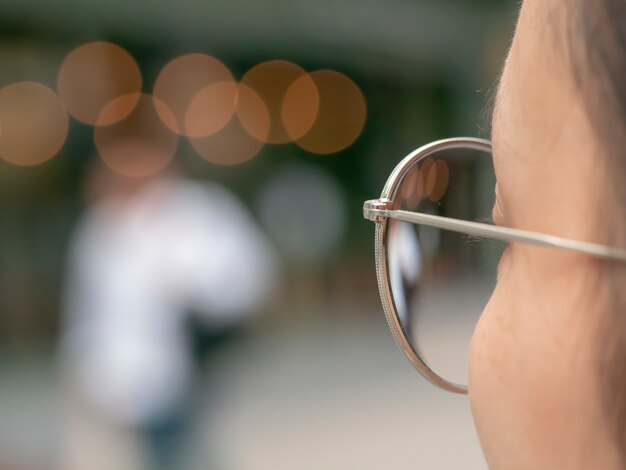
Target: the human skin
pixel 533 380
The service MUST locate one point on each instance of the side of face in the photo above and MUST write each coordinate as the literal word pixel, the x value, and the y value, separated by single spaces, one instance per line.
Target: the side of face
pixel 532 373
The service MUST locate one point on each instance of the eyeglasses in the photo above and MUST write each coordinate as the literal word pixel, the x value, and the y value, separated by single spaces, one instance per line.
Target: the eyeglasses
pixel 437 253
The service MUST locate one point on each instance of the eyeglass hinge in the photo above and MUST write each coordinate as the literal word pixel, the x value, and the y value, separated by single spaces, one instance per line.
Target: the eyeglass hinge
pixel 372 207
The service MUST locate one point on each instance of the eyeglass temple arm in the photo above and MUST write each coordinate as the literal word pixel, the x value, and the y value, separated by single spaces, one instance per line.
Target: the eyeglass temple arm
pixel 493 231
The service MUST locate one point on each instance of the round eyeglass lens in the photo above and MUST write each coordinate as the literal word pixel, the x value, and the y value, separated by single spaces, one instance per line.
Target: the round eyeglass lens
pixel 440 281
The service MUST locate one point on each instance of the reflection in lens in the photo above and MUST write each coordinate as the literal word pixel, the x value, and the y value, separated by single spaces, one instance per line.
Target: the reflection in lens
pixel 437 180
pixel 440 280
pixel 410 189
pixel 405 266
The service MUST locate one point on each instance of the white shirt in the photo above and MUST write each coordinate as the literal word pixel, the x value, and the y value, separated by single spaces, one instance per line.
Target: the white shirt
pixel 135 266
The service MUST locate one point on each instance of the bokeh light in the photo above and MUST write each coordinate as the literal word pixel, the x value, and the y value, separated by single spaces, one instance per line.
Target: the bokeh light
pixel 253 113
pixel 141 144
pixel 410 195
pixel 231 146
pixel 340 116
pixel 424 171
pixel 33 123
pixel 304 211
pixel 271 80
pixel 437 180
pixel 300 107
pixel 181 80
pixel 94 74
pixel 244 135
pixel 211 109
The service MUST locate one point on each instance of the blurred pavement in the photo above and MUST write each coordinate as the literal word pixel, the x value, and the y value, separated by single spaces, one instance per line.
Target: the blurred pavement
pixel 303 396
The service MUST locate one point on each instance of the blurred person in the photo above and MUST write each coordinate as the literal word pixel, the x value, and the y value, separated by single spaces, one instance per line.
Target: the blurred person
pixel 146 252
pixel 547 368
pixel 405 266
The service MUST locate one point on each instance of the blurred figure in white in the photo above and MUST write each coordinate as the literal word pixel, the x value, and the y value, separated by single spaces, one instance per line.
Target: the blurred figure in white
pixel 145 253
pixel 405 269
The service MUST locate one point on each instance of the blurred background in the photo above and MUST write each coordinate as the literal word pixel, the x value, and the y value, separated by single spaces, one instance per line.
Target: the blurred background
pixel 186 279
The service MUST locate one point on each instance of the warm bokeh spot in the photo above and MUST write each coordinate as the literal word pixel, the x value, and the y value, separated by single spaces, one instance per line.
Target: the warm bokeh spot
pixel 300 107
pixel 211 109
pixel 409 190
pixel 233 145
pixel 181 80
pixel 139 145
pixel 271 80
pixel 253 113
pixel 340 117
pixel 422 179
pixel 33 123
pixel 437 180
pixel 94 74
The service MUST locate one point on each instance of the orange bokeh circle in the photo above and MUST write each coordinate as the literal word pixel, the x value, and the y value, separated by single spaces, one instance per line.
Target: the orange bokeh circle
pixel 211 109
pixel 271 80
pixel 340 115
pixel 141 144
pixel 244 135
pixel 410 193
pixel 33 123
pixel 231 146
pixel 253 113
pixel 94 74
pixel 437 180
pixel 181 80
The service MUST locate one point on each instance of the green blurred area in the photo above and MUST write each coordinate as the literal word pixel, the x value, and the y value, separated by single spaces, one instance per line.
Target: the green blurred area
pixel 424 67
